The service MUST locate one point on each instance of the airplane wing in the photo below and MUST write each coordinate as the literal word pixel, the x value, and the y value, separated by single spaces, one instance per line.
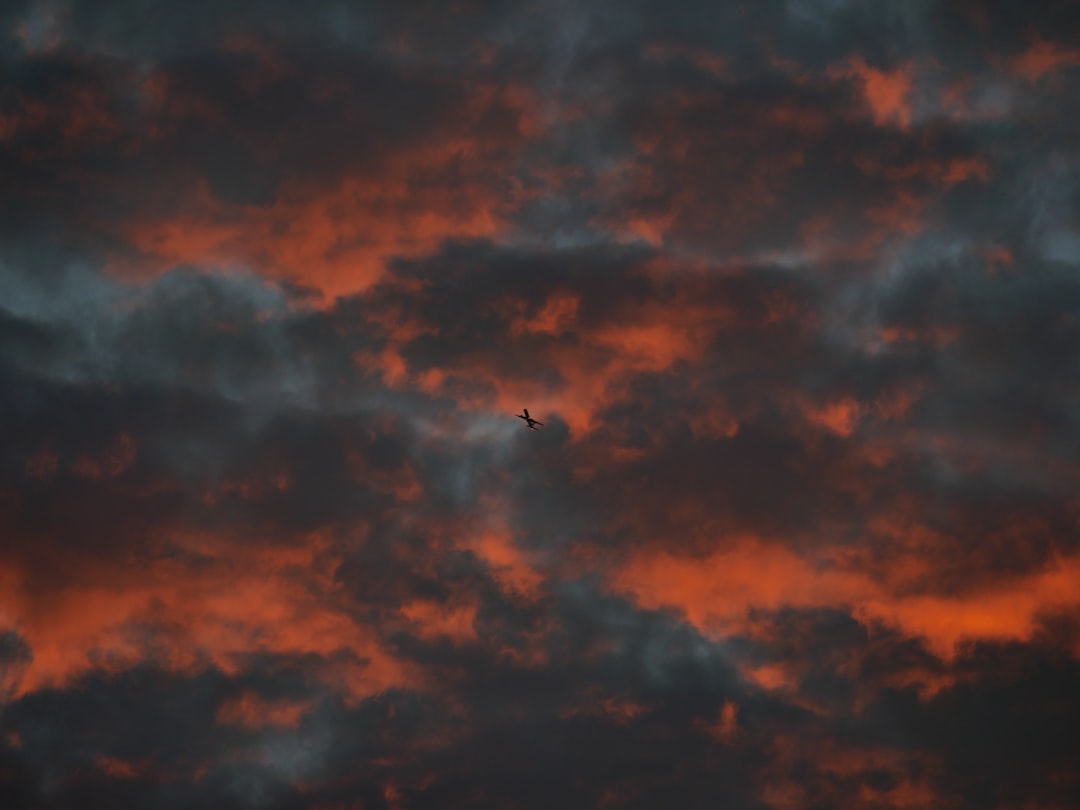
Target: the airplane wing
pixel 537 423
pixel 519 416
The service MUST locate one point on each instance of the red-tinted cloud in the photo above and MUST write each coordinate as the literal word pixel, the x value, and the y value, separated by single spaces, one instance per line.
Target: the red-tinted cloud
pixel 887 93
pixel 719 593
pixel 337 235
pixel 228 603
pixel 790 289
pixel 1044 58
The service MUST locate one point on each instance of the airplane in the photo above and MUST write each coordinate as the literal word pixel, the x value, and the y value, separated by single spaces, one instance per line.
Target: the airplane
pixel 532 422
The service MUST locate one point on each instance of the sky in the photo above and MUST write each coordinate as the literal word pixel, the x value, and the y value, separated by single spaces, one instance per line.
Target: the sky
pixel 793 285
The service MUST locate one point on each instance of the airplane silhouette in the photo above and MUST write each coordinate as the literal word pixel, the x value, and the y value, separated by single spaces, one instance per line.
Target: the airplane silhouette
pixel 532 422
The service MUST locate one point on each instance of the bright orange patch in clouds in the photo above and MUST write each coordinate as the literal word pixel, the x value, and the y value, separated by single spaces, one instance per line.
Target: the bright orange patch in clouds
pixel 717 593
pixel 336 240
pixel 337 236
pixel 511 567
pixel 887 93
pixel 770 677
pixel 234 601
pixel 839 416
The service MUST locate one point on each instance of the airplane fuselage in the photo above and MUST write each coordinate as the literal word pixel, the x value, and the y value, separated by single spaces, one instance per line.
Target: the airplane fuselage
pixel 532 423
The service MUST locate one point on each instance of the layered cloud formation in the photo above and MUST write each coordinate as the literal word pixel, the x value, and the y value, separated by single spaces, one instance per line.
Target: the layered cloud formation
pixel 793 285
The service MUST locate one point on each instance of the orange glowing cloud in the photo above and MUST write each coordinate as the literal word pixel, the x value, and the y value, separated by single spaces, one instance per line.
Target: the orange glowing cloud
pixel 770 677
pixel 558 315
pixel 840 416
pixel 333 235
pixel 725 728
pixel 886 92
pixel 718 592
pixel 336 240
pixel 1044 58
pixel 434 620
pixel 239 600
pixel 511 567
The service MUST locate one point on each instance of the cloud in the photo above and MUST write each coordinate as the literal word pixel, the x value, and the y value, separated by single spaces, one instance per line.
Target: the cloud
pixel 791 287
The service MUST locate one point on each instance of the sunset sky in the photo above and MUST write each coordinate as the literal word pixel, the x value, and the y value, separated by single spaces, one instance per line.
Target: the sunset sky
pixel 794 286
